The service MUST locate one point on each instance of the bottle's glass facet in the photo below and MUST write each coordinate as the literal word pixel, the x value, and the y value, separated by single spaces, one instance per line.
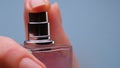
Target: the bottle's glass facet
pixel 53 56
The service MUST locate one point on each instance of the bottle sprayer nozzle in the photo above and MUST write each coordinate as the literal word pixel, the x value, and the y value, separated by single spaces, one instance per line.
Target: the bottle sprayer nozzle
pixel 39 29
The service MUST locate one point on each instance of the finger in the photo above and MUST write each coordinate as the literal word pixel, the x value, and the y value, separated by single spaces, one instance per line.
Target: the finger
pixel 12 55
pixel 34 6
pixel 57 31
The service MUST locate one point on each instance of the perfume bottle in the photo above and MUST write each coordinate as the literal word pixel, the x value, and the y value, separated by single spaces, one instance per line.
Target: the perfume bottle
pixel 42 47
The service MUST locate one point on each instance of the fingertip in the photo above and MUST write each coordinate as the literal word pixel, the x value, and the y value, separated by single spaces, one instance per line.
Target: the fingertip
pixel 36 5
pixel 55 5
pixel 40 5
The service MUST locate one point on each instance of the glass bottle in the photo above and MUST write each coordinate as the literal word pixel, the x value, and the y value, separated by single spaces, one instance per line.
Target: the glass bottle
pixel 42 47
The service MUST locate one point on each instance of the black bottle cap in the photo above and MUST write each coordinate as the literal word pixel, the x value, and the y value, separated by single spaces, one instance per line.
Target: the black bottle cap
pixel 38 17
pixel 38 29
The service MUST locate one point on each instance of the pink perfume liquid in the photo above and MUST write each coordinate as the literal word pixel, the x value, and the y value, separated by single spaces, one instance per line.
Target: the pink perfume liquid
pixel 53 56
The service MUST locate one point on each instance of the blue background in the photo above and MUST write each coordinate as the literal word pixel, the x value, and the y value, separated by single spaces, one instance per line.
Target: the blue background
pixel 93 27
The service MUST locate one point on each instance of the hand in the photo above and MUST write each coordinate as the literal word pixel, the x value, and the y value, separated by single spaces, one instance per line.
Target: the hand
pixel 12 55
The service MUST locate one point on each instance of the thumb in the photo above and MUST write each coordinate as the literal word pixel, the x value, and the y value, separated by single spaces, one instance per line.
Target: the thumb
pixel 12 55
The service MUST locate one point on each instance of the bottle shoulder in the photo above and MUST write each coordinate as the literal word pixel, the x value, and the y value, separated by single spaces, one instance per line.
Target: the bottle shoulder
pixel 50 47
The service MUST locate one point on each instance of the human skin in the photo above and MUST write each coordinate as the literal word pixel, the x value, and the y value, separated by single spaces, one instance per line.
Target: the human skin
pixel 12 55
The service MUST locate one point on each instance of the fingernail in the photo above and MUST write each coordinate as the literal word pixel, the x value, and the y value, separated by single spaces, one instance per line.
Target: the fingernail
pixel 28 63
pixel 35 3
